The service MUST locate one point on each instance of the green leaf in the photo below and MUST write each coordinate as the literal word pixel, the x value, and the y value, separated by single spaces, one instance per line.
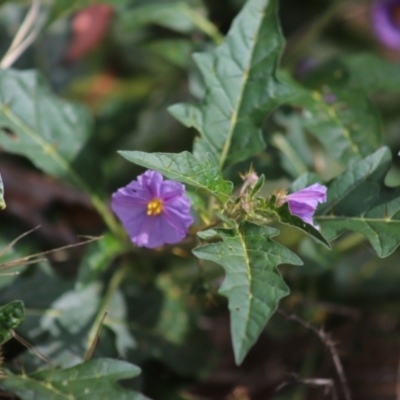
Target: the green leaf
pixel 183 167
pixel 2 202
pixel 94 379
pixel 371 73
pixel 344 121
pixel 358 200
pixel 242 87
pixel 287 218
pixel 176 51
pixel 253 285
pixel 11 317
pixel 175 15
pixel 38 125
pixel 75 310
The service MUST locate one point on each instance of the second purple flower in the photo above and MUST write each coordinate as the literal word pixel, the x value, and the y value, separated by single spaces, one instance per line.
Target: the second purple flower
pixel 304 202
pixel 386 22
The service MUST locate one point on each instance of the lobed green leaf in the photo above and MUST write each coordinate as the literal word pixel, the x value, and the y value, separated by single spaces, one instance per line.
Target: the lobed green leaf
pixel 94 379
pixel 358 200
pixel 242 87
pixel 344 121
pixel 38 125
pixel 253 285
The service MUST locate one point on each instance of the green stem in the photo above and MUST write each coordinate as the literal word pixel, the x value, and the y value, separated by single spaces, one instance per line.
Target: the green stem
pixel 316 28
pixel 115 282
pixel 205 25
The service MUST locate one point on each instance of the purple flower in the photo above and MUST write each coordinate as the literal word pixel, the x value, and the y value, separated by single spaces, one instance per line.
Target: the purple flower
pixel 386 22
pixel 304 202
pixel 153 211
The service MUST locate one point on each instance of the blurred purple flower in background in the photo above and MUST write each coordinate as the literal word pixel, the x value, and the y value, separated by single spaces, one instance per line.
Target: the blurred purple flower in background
pixel 386 22
pixel 304 202
pixel 153 211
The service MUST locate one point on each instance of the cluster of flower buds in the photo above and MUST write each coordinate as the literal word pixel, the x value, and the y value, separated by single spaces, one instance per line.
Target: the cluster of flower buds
pixel 154 211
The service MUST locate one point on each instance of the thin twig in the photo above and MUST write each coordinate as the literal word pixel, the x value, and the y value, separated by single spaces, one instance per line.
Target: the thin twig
pixel 25 36
pixel 329 384
pixel 96 340
pixel 398 383
pixel 327 340
pixel 31 348
pixel 35 258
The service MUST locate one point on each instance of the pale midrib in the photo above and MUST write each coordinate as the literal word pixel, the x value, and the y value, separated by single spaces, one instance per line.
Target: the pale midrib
pixel 249 276
pixel 51 389
pixel 43 144
pixel 333 217
pixel 346 132
pixel 96 201
pixel 245 77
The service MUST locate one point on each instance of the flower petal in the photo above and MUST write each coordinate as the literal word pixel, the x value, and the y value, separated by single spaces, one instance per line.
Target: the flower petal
pixel 384 23
pixel 148 233
pixel 169 233
pixel 304 202
pixel 302 210
pixel 171 225
pixel 171 190
pixel 151 181
pixel 313 194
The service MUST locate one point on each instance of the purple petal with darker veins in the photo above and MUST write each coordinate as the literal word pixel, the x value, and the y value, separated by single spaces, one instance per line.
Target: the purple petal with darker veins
pixel 151 181
pixel 179 220
pixel 169 225
pixel 168 231
pixel 171 190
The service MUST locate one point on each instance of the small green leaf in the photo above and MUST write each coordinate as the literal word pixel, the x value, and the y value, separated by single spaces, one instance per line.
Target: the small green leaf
pixel 358 200
pixel 11 317
pixel 253 285
pixel 290 219
pixel 257 187
pixel 183 167
pixel 38 125
pixel 242 87
pixel 94 379
pixel 2 202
